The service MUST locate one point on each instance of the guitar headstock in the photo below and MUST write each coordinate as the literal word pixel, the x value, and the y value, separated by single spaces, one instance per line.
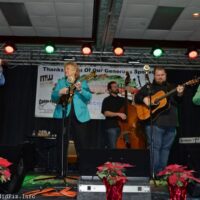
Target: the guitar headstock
pixel 193 81
pixel 127 79
pixel 90 76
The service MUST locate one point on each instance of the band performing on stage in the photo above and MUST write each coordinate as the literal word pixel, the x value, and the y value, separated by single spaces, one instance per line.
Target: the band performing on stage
pixel 100 99
pixel 153 110
pixel 138 128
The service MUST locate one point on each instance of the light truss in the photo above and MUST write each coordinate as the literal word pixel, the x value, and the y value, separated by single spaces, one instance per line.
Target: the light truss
pixel 35 55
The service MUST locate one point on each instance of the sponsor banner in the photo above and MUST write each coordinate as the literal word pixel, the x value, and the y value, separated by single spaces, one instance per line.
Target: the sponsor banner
pixel 48 76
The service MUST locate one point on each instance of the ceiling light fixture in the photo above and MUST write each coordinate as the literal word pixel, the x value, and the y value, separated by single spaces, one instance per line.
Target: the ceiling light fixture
pixel 196 14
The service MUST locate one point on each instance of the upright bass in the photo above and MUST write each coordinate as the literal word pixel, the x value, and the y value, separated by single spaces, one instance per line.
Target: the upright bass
pixel 132 132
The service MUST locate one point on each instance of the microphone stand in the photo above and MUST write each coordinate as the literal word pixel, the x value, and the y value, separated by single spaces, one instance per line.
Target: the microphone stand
pixel 66 124
pixel 64 140
pixel 64 135
pixel 149 87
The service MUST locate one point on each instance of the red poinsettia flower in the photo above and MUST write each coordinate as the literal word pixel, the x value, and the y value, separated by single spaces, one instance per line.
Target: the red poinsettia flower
pixel 7 173
pixel 177 175
pixel 112 172
pixel 4 162
pixel 4 171
pixel 173 179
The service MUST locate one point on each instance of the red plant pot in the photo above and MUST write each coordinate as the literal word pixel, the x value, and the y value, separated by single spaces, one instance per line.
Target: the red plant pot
pixel 177 192
pixel 114 192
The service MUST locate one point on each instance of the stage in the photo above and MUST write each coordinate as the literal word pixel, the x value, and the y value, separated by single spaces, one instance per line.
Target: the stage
pixel 34 181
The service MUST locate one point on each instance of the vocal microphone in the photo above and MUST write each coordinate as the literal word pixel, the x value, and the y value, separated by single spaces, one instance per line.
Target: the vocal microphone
pixel 146 70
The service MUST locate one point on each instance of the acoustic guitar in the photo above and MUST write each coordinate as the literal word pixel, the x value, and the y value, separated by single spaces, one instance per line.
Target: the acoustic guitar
pixel 158 103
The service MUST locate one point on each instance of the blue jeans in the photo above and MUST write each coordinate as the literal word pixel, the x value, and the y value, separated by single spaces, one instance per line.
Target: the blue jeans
pixel 112 136
pixel 163 138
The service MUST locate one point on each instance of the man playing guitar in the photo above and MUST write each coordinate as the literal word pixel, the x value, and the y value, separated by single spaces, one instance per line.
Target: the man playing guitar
pixel 163 129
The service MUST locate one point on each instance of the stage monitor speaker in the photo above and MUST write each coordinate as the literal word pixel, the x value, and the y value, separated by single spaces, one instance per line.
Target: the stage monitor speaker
pixel 134 189
pixel 21 158
pixel 90 159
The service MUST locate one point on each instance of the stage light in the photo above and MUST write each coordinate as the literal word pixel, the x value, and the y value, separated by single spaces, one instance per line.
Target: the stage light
pixel 157 52
pixel 118 50
pixel 192 53
pixel 9 48
pixel 86 49
pixel 49 48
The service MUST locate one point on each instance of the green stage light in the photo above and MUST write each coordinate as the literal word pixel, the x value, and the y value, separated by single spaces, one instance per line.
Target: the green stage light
pixel 157 52
pixel 49 48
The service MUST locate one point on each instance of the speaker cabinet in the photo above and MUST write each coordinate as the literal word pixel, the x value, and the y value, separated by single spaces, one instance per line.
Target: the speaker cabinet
pixel 137 187
pixel 134 189
pixel 90 159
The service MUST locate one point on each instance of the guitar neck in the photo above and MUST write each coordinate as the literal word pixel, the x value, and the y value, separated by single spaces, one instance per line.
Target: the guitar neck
pixel 171 92
pixel 167 94
pixel 72 87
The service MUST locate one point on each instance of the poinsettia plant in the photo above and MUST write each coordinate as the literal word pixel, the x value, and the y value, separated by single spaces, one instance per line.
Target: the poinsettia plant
pixel 177 175
pixel 4 170
pixel 113 172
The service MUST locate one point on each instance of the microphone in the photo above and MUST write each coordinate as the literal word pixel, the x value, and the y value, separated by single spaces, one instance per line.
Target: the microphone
pixel 146 70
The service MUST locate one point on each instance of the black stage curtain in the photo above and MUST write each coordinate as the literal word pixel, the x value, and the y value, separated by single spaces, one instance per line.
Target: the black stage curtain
pixel 17 105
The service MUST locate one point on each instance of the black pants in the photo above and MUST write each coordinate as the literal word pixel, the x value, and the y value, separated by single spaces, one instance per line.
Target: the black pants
pixel 75 130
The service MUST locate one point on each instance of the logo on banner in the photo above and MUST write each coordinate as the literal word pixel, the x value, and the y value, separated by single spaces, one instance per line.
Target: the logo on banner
pixel 46 79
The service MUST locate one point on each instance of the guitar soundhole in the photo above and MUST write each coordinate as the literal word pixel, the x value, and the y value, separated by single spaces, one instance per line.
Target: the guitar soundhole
pixel 156 102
